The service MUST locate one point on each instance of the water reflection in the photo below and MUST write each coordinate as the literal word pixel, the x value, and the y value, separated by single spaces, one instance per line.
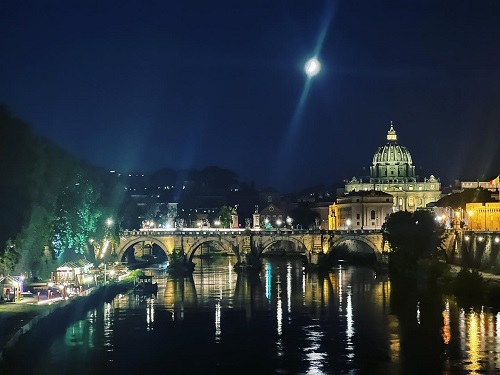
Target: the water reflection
pixel 280 319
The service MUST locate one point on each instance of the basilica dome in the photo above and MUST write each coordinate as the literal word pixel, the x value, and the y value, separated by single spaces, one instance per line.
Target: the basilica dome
pixel 391 152
pixel 392 162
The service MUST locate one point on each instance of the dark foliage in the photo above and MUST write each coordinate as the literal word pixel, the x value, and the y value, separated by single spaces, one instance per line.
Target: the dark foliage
pixel 412 237
pixel 50 201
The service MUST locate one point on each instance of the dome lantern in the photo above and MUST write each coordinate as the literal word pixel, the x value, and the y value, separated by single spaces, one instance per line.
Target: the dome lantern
pixel 391 135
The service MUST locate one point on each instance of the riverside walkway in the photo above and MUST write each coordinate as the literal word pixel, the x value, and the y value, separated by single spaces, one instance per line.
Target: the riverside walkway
pixel 15 317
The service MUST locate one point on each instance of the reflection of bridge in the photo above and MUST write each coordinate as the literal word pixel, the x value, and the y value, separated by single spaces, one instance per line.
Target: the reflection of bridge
pixel 315 244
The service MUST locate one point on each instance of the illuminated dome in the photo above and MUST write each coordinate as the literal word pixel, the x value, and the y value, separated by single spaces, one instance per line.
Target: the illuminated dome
pixel 392 162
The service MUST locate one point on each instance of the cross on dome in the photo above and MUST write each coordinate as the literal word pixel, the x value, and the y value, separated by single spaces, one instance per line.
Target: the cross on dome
pixel 391 134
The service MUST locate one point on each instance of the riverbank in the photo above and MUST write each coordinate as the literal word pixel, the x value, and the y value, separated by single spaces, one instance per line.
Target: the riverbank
pixel 17 318
pixel 27 324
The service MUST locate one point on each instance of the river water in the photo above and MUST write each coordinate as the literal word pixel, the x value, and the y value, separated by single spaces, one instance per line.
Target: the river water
pixel 279 321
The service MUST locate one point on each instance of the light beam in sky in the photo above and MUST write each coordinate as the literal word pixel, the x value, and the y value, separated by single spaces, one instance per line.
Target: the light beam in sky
pixel 289 145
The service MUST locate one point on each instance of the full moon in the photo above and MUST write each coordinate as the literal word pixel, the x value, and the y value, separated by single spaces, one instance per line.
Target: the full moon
pixel 312 67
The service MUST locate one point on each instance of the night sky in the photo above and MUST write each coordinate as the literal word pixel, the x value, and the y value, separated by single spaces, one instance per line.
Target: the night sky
pixel 136 86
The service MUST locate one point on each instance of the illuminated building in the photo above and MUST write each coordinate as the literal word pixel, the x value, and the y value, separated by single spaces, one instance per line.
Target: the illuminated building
pixel 483 216
pixel 360 210
pixel 392 172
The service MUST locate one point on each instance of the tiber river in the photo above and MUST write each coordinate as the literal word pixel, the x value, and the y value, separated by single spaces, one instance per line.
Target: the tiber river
pixel 279 321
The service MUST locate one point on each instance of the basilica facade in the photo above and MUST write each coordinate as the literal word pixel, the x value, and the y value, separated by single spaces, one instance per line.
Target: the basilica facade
pixel 392 172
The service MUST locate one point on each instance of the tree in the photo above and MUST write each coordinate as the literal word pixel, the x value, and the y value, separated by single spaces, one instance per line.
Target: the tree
pixel 225 214
pixel 9 257
pixel 412 237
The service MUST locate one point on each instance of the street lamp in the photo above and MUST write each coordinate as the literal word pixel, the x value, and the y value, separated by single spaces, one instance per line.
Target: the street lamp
pixel 109 222
pixel 289 221
pixel 348 223
pixel 278 223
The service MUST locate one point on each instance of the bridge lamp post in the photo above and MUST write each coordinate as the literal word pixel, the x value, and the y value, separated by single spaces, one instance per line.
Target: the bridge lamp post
pixel 348 223
pixel 200 224
pixel 289 221
pixel 278 223
pixel 217 223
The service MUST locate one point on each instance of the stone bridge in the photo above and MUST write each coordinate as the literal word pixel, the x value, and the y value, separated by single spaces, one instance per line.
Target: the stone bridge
pixel 474 249
pixel 247 244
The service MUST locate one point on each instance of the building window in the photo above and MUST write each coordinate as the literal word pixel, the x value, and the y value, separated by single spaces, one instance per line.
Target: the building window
pixel 373 215
pixel 357 216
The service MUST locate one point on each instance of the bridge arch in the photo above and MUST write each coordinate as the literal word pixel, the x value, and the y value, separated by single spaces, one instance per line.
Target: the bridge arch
pixel 133 241
pixel 356 244
pixel 300 246
pixel 219 242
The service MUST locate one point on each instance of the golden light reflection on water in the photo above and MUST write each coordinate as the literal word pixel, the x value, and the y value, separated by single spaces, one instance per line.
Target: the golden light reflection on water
pixel 446 332
pixel 479 335
pixel 472 323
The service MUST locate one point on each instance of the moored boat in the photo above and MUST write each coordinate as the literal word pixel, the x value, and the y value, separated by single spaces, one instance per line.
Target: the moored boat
pixel 145 285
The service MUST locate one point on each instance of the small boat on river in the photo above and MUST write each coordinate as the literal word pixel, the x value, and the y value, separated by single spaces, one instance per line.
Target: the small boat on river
pixel 145 285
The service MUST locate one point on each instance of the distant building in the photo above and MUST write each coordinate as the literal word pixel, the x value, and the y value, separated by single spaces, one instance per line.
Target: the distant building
pixel 492 185
pixel 271 216
pixel 274 210
pixel 392 172
pixel 360 210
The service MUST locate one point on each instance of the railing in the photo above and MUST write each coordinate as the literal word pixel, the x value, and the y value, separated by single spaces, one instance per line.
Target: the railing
pixel 231 232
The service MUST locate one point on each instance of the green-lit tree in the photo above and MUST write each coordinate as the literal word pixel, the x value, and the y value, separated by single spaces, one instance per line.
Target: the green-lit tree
pixel 225 214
